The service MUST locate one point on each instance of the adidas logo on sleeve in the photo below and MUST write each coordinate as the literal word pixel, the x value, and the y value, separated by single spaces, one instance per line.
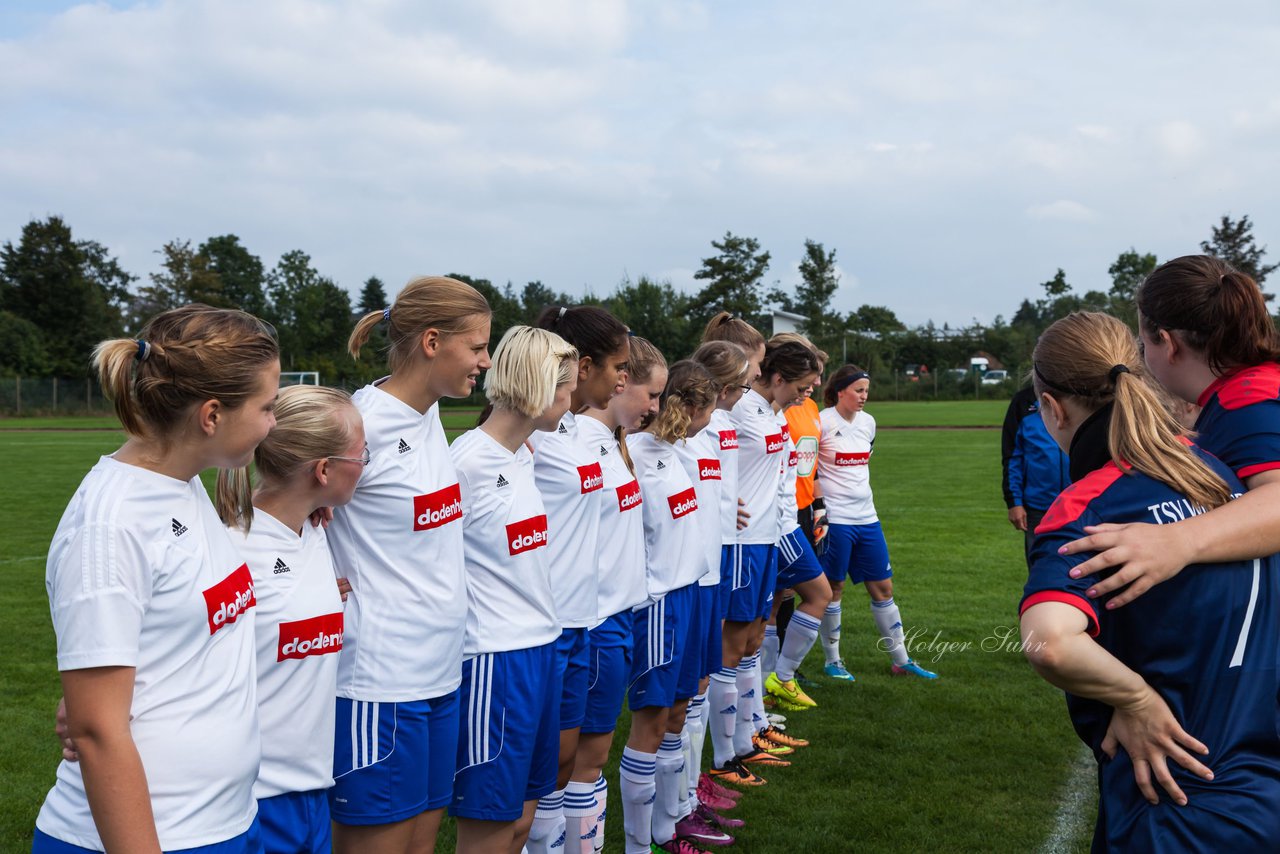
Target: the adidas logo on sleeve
pixel 562 430
pixel 178 528
pixel 660 465
pixel 403 447
pixel 280 568
pixel 502 481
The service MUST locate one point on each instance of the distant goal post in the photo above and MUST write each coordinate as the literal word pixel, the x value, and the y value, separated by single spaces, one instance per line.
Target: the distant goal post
pixel 299 378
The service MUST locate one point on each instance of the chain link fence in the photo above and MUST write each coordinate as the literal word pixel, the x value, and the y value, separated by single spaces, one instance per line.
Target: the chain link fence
pixel 51 396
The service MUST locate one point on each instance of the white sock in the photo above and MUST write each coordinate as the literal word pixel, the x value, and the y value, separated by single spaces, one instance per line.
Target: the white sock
pixel 769 649
pixel 695 733
pixel 548 825
pixel 580 811
pixel 748 687
pixel 801 633
pixel 723 714
pixel 759 718
pixel 889 622
pixel 602 795
pixel 637 771
pixel 670 788
pixel 831 632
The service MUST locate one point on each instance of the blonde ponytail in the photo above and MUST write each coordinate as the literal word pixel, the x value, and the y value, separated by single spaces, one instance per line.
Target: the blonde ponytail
pixel 690 387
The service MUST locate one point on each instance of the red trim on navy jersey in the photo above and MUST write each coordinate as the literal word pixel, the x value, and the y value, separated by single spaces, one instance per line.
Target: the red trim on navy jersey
pixel 1244 387
pixel 1067 599
pixel 1071 503
pixel 1259 468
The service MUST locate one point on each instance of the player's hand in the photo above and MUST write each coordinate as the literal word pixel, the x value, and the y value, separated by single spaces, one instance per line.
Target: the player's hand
pixel 1151 735
pixel 743 515
pixel 1145 554
pixel 344 587
pixel 321 517
pixel 1018 517
pixel 819 525
pixel 63 732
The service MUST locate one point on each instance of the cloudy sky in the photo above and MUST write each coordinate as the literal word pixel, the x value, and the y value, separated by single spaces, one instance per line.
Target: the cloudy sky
pixel 955 154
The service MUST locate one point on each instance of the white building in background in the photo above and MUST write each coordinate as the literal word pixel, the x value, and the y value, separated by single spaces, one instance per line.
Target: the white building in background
pixel 786 321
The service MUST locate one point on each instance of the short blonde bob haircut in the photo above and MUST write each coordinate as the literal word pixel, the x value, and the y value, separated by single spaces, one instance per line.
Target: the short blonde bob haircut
pixel 529 364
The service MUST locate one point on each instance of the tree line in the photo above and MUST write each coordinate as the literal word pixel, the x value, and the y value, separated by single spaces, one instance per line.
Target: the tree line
pixel 60 295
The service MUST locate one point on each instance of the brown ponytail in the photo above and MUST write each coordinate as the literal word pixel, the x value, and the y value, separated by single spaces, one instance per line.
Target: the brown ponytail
pixel 427 302
pixel 689 386
pixel 1092 358
pixel 1218 310
pixel 725 361
pixel 725 327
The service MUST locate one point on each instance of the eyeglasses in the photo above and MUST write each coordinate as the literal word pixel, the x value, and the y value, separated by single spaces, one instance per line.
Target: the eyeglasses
pixel 363 459
pixel 745 388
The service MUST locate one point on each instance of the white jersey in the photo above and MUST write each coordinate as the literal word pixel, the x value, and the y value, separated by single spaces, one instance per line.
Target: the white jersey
pixel 399 542
pixel 673 557
pixel 788 506
pixel 571 481
pixel 621 540
pixel 298 623
pixel 701 460
pixel 505 534
pixel 141 573
pixel 843 454
pixel 760 463
pixel 726 434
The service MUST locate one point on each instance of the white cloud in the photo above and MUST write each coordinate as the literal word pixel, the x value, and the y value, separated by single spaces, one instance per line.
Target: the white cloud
pixel 1180 140
pixel 1101 133
pixel 1063 210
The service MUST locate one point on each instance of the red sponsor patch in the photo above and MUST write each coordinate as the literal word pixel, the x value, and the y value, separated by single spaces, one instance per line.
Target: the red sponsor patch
pixel 683 503
pixel 629 496
pixel 709 469
pixel 229 598
pixel 591 477
pixel 437 508
pixel 315 636
pixel 527 535
pixel 793 460
pixel 773 444
pixel 852 459
pixel 728 440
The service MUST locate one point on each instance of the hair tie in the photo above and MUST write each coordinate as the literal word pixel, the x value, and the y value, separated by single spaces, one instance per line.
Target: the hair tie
pixel 560 316
pixel 144 350
pixel 386 314
pixel 1116 371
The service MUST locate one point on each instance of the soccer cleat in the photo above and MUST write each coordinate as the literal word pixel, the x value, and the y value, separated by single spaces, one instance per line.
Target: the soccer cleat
pixel 737 774
pixel 760 757
pixel 762 743
pixel 912 669
pixel 714 801
pixel 693 828
pixel 788 691
pixel 714 818
pixel 777 736
pixel 836 671
pixel 676 846
pixel 777 720
pixel 711 787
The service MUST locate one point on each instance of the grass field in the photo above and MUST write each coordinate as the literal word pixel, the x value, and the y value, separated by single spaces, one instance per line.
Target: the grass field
pixel 975 762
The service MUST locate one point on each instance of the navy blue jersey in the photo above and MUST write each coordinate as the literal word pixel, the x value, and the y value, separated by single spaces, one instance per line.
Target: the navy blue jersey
pixel 1206 641
pixel 1240 420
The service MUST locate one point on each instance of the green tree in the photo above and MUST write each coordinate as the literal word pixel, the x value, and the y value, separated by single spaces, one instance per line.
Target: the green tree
pixel 240 272
pixel 1233 242
pixel 812 297
pixel 1127 272
pixel 22 350
pixel 537 296
pixel 67 289
pixel 505 305
pixel 373 296
pixel 733 281
pixel 312 317
pixel 184 277
pixel 658 312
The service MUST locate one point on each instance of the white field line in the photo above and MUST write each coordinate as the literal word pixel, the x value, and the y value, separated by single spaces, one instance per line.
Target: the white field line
pixel 1069 833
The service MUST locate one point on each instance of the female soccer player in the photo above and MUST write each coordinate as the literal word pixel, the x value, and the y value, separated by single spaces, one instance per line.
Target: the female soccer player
pixel 855 545
pixel 1208 339
pixel 149 598
pixel 1195 659
pixel 508 746
pixel 571 480
pixel 400 543
pixel 752 562
pixel 652 762
pixel 312 459
pixel 622 587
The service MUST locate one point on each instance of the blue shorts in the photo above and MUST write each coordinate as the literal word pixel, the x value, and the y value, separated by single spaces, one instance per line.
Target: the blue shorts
pixel 610 671
pixel 249 842
pixel 296 822
pixel 573 660
pixel 392 761
pixel 661 641
pixel 858 551
pixel 751 571
pixel 706 607
pixel 509 743
pixel 796 561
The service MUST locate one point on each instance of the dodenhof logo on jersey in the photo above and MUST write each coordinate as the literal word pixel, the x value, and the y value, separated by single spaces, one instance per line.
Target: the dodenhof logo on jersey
pixel 709 469
pixel 793 460
pixel 437 508
pixel 683 503
pixel 728 440
pixel 527 534
pixel 628 496
pixel 315 636
pixel 773 444
pixel 229 598
pixel 852 459
pixel 591 477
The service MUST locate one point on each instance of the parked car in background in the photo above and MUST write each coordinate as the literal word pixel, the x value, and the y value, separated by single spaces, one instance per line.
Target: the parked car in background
pixel 994 377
